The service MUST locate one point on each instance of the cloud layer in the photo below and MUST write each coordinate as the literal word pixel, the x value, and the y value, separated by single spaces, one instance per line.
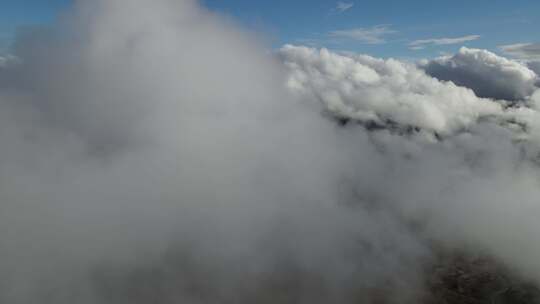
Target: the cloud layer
pixel 165 161
pixel 462 182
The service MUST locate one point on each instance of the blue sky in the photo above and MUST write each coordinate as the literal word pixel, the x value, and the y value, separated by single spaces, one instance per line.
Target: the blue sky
pixel 17 13
pixel 385 28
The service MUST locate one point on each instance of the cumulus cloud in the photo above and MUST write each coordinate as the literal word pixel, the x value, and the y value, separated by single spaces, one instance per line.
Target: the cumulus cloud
pixel 380 91
pixel 372 35
pixel 462 183
pixel 422 43
pixel 487 74
pixel 152 153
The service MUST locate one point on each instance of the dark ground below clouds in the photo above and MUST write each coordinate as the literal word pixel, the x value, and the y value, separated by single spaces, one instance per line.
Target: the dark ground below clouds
pixel 465 279
pixel 452 278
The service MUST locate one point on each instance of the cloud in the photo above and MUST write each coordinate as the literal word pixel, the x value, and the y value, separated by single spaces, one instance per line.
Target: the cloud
pixel 528 51
pixel 534 66
pixel 373 35
pixel 461 181
pixel 487 74
pixel 344 6
pixel 420 44
pixel 151 152
pixel 377 91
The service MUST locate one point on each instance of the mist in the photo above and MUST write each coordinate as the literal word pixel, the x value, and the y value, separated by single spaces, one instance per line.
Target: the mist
pixel 154 151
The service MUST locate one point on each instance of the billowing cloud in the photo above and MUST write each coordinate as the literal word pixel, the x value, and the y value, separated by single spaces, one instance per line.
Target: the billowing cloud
pixel 460 183
pixel 422 43
pixel 379 91
pixel 152 153
pixel 487 74
pixel 372 35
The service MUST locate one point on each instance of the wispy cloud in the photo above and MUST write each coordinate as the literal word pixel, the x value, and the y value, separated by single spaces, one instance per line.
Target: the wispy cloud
pixel 343 6
pixel 422 43
pixel 528 51
pixel 372 35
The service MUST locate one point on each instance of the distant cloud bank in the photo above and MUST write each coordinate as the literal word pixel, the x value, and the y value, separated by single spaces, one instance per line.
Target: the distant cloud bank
pixel 530 51
pixel 372 35
pixel 422 43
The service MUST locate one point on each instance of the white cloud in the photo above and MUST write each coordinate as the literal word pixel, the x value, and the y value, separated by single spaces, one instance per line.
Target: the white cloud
pixel 486 73
pixel 375 90
pixel 372 35
pixel 420 44
pixel 145 163
pixel 344 6
pixel 528 51
pixel 150 132
pixel 465 184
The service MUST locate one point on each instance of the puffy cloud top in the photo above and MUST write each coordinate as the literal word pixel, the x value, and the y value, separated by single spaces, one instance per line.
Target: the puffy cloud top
pixel 486 73
pixel 380 91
